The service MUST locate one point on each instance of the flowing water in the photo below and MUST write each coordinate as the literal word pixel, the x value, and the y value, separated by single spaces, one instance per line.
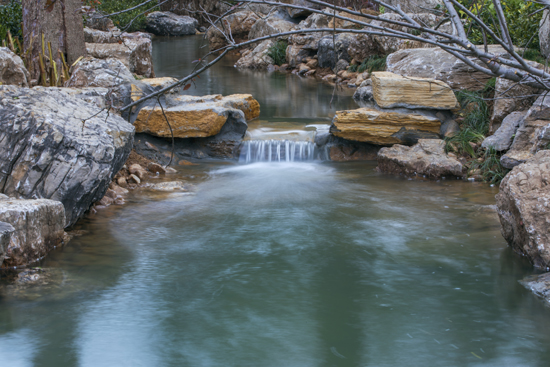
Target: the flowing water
pixel 291 263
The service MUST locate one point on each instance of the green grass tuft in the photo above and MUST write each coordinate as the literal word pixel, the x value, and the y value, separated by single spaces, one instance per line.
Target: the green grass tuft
pixel 373 63
pixel 278 52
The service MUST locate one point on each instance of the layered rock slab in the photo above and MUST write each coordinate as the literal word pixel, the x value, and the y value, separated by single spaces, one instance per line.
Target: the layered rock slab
pixel 6 231
pixel 426 158
pixel 38 228
pixel 383 127
pixel 56 146
pixel 524 209
pixel 392 90
pixel 195 117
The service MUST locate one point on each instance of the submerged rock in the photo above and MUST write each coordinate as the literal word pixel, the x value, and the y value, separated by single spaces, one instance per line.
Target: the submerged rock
pixel 392 90
pixel 539 285
pixel 384 127
pixel 38 228
pixel 426 158
pixel 524 209
pixel 56 146
pixel 165 23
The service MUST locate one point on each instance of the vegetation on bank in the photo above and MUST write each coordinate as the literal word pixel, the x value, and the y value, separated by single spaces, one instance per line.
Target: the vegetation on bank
pixel 131 21
pixel 11 17
pixel 474 128
pixel 278 52
pixel 370 64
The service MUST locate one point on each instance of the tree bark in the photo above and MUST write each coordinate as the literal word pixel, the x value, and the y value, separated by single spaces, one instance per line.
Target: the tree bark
pixel 61 25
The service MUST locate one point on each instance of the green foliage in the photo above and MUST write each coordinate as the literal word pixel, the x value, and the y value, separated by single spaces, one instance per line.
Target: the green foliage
pixel 11 16
pixel 135 20
pixel 523 25
pixel 474 127
pixel 533 55
pixel 278 52
pixel 353 68
pixel 373 63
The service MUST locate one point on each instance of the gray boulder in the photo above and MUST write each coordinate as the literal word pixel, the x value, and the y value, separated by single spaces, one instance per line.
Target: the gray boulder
pixel 56 146
pixel 164 23
pixel 12 69
pixel 271 25
pixel 100 21
pixel 544 34
pixel 539 285
pixel 239 23
pixel 326 55
pixel 38 227
pixel 532 135
pixel 501 140
pixel 363 95
pixel 298 13
pixel 258 58
pixel 523 209
pixel 106 73
pixel 6 231
pixel 426 158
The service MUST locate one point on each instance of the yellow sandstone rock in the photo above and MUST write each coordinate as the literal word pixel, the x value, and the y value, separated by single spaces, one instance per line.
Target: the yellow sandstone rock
pixel 383 128
pixel 391 90
pixel 194 117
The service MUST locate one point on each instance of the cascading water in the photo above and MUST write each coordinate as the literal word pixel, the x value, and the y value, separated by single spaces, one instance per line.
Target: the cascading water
pixel 277 151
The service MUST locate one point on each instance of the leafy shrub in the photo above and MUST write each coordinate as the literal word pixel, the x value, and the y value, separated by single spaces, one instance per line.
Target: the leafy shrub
pixel 278 52
pixel 134 20
pixel 11 16
pixel 373 63
pixel 523 24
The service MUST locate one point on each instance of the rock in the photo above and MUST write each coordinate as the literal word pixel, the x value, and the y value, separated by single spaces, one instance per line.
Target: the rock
pixel 392 90
pixel 135 53
pixel 134 179
pixel 501 140
pixel 97 36
pixel 121 181
pixel 138 170
pixel 388 44
pixel 439 64
pixel 100 21
pixel 426 158
pixel 6 231
pixel 449 128
pixel 523 209
pixel 271 25
pixel 93 95
pixel 258 58
pixel 92 72
pixel 240 24
pixel 348 46
pixel 416 6
pixel 192 116
pixel 383 127
pixel 312 64
pixel 532 135
pixel 156 168
pixel 39 228
pixel 164 23
pixel 12 69
pixel 303 68
pixel 326 55
pixel 298 13
pixel 56 146
pixel 539 285
pixel 544 34
pixel 363 95
pixel 4 197
pixel 341 150
pixel 516 100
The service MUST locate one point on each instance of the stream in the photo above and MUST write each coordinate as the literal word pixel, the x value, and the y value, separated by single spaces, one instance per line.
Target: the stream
pixel 281 262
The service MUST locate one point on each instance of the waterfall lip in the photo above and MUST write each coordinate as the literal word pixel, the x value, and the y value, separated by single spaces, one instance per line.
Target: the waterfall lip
pixel 278 151
pixel 282 166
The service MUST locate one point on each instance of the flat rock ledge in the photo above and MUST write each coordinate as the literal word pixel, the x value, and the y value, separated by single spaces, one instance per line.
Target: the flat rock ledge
pixel 6 230
pixel 539 285
pixel 38 227
pixel 524 209
pixel 56 146
pixel 426 158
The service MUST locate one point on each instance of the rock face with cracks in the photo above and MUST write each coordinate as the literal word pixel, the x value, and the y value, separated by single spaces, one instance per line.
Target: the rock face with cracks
pixel 12 69
pixel 6 231
pixel 38 228
pixel 164 23
pixel 56 146
pixel 524 209
pixel 427 158
pixel 106 73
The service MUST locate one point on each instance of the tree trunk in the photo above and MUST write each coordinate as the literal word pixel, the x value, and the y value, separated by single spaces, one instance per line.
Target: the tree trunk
pixel 61 25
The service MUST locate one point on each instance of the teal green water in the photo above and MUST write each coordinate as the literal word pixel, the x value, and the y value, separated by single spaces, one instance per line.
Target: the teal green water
pixel 287 264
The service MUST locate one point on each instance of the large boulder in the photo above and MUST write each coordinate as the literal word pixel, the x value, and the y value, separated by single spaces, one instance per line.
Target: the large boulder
pixel 56 146
pixel 305 11
pixel 258 58
pixel 427 158
pixel 524 209
pixel 392 90
pixel 165 23
pixel 384 127
pixel 38 228
pixel 100 21
pixel 136 53
pixel 501 140
pixel 532 135
pixel 439 64
pixel 196 117
pixel 269 26
pixel 237 25
pixel 509 97
pixel 12 69
pixel 345 46
pixel 106 73
pixel 6 231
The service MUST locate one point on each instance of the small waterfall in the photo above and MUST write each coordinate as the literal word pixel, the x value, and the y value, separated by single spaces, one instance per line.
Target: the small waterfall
pixel 277 151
